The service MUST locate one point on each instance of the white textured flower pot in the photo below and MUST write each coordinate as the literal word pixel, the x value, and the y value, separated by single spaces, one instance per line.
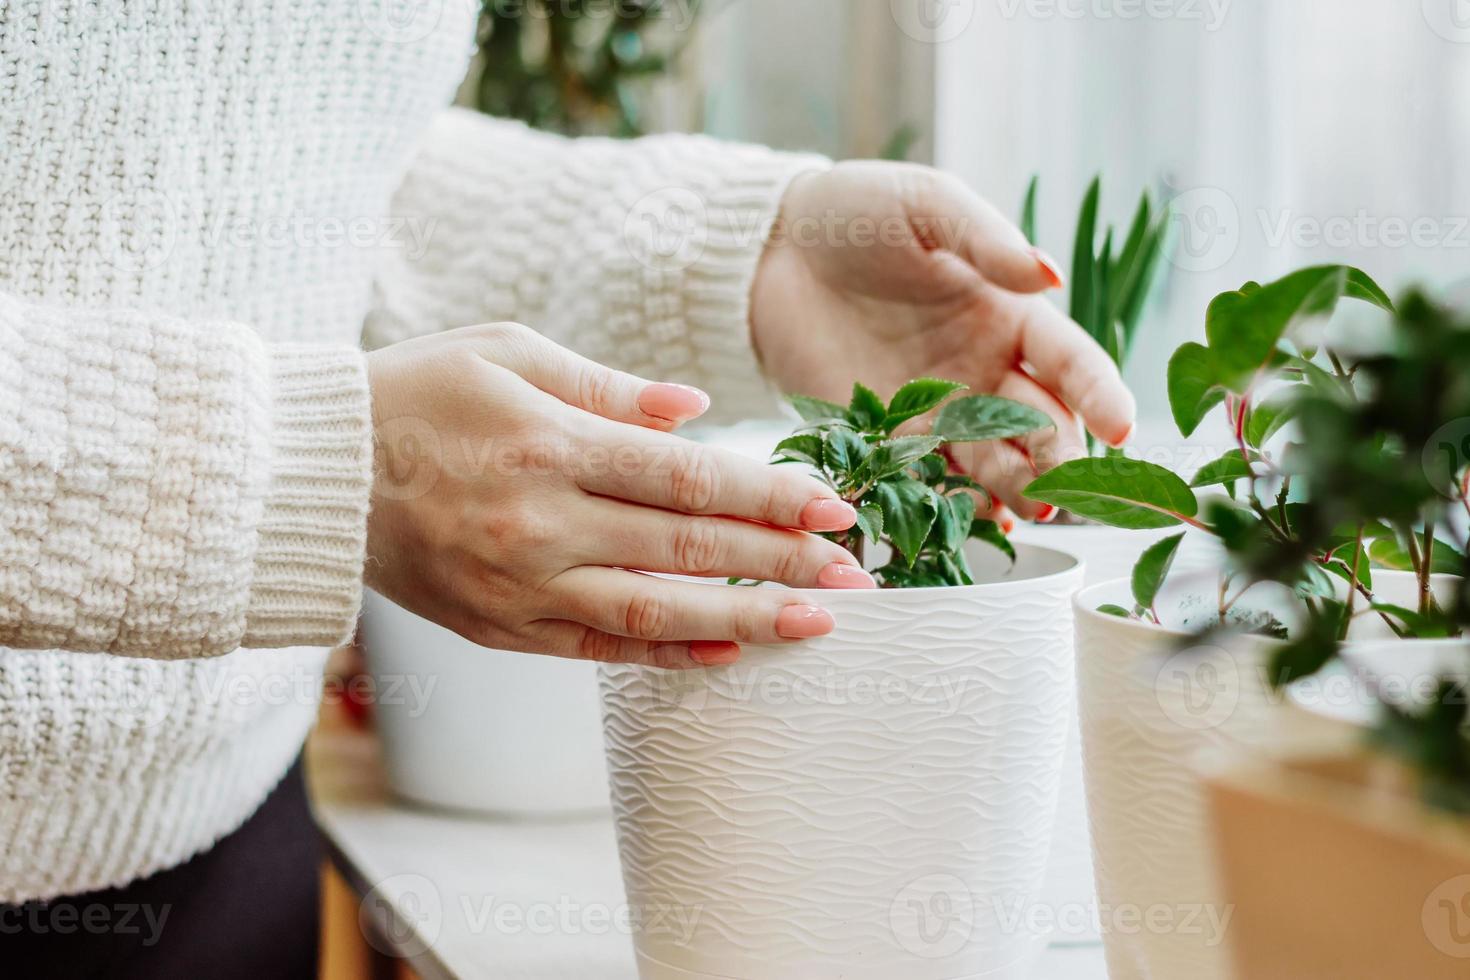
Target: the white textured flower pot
pixel 1147 712
pixel 465 728
pixel 1106 553
pixel 1150 711
pixel 872 805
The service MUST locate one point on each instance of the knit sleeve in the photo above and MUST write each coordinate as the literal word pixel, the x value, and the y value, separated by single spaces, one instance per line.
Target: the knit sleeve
pixel 172 489
pixel 638 254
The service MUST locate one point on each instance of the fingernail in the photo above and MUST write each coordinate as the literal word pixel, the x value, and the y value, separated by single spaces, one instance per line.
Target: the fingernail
pixel 1008 525
pixel 1049 266
pixel 711 653
pixel 828 515
pixel 840 576
pixel 673 403
pixel 1046 514
pixel 804 622
pixel 1132 428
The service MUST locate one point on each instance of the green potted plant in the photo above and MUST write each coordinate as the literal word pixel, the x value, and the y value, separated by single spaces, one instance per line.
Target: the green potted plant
pixel 1298 578
pixel 857 804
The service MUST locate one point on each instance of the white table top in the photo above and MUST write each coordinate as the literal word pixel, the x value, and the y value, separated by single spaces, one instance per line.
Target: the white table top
pixel 466 898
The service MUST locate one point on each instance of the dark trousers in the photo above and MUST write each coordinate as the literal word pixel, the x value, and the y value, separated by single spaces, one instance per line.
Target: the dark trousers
pixel 246 908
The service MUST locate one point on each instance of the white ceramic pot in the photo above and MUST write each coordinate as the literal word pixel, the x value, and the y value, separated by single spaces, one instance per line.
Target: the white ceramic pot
pixel 1106 553
pixel 1152 705
pixel 1148 711
pixel 466 728
pixel 873 804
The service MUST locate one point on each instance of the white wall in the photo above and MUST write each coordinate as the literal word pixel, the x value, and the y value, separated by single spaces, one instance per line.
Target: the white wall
pixel 1306 117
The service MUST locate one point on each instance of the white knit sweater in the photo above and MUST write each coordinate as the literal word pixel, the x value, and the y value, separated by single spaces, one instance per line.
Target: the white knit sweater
pixel 201 206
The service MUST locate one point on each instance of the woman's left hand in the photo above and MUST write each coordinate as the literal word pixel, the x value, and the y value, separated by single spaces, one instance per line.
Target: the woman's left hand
pixel 884 272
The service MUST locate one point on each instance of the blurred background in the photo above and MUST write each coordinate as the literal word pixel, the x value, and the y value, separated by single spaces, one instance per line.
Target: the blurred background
pixel 1280 133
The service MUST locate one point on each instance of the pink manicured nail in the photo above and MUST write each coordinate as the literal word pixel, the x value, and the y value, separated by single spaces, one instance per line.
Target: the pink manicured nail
pixel 840 576
pixel 673 403
pixel 1132 428
pixel 804 622
pixel 1049 267
pixel 711 653
pixel 1046 514
pixel 828 515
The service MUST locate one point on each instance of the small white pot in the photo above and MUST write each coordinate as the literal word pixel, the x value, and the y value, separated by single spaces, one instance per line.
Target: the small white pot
pixel 873 804
pixel 1148 711
pixel 1106 553
pixel 465 728
pixel 1151 705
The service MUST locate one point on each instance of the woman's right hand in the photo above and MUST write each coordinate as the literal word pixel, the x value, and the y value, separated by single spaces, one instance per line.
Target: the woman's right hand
pixel 516 483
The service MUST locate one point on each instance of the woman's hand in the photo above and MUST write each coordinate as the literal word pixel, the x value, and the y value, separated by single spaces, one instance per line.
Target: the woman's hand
pixel 517 481
pixel 885 272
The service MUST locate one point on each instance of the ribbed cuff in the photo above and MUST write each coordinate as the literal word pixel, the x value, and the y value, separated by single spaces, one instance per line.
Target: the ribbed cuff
pixel 742 208
pixel 307 587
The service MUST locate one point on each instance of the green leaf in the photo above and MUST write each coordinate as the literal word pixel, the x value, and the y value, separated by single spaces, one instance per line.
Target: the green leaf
pixel 955 568
pixel 815 409
pixel 1267 417
pixel 909 512
pixel 1083 257
pixel 991 533
pixel 1028 210
pixel 1388 553
pixel 806 448
pixel 1108 609
pixel 1420 626
pixel 981 418
pixel 870 521
pixel 904 450
pixel 846 450
pixel 1104 328
pixel 1361 286
pixel 866 411
pixel 1152 568
pixel 1245 327
pixel 1227 469
pixel 1124 493
pixel 916 398
pixel 1302 658
pixel 956 516
pixel 1194 386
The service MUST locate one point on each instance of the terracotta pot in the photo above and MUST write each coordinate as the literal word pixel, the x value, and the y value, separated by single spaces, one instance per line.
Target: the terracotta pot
pixel 1335 871
pixel 873 804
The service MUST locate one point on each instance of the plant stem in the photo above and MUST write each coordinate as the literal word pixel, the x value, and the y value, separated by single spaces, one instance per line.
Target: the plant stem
pixel 1426 596
pixel 1347 617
